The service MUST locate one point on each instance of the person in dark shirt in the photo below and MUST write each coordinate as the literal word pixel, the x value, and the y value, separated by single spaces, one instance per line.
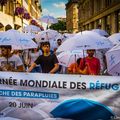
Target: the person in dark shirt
pixel 48 61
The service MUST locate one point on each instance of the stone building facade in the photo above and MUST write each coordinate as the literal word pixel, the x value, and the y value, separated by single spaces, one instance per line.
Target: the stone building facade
pixel 72 16
pixel 104 14
pixel 9 20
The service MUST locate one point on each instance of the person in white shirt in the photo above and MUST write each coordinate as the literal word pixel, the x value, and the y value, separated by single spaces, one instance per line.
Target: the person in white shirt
pixel 9 61
pixel 33 55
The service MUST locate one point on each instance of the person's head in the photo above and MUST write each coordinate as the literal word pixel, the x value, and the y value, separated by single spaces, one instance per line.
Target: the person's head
pixel 59 42
pixel 34 50
pixel 5 50
pixel 46 47
pixel 90 52
pixel 42 39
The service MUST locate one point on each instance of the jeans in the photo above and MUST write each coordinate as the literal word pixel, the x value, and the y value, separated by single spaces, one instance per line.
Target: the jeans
pixel 37 69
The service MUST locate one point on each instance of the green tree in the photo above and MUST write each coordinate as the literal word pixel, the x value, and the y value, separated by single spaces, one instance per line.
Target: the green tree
pixel 60 26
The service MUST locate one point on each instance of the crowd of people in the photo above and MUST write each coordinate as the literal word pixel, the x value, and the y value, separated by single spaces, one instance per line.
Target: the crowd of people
pixel 44 60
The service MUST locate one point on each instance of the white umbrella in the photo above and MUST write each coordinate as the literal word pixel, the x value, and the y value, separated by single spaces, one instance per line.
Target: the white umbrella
pixel 46 35
pixel 115 38
pixel 85 40
pixel 48 19
pixel 31 29
pixel 68 35
pixel 54 41
pixel 67 58
pixel 59 36
pixel 113 60
pixel 100 32
pixel 17 40
pixel 32 35
pixel 9 118
pixel 7 39
pixel 26 42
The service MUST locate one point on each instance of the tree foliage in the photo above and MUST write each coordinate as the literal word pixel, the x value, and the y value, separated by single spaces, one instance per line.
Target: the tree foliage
pixel 60 26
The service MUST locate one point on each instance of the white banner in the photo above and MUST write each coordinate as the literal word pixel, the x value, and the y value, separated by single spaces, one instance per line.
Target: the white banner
pixel 35 96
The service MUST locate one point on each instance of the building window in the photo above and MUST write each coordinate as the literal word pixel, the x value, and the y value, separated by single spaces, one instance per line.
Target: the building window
pixel 108 2
pixel 26 1
pixel 84 27
pixel 92 25
pixel 7 8
pixel 1 8
pixel 98 5
pixel 98 23
pixel 108 24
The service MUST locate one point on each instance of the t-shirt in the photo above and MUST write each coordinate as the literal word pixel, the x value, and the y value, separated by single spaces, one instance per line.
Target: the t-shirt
pixel 34 56
pixel 47 62
pixel 93 65
pixel 14 61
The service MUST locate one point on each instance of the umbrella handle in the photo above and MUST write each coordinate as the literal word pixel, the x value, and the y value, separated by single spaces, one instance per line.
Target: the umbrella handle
pixel 84 61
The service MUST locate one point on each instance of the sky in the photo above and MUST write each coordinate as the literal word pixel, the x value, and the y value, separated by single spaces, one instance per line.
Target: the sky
pixel 54 8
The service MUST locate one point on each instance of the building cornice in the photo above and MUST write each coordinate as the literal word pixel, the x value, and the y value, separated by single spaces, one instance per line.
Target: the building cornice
pixel 102 13
pixel 70 3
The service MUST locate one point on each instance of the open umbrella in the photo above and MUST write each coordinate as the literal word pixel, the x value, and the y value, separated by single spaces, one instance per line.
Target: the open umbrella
pixel 82 109
pixel 9 118
pixel 68 35
pixel 115 38
pixel 48 19
pixel 17 40
pixel 67 58
pixel 101 32
pixel 59 36
pixel 31 29
pixel 6 39
pixel 113 60
pixel 85 40
pixel 46 35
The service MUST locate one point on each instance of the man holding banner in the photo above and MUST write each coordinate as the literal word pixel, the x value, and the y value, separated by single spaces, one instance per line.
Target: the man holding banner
pixel 48 61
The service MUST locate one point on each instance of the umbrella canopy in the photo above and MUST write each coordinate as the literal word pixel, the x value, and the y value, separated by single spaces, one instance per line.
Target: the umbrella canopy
pixel 101 32
pixel 67 58
pixel 6 39
pixel 115 38
pixel 31 29
pixel 9 118
pixel 48 19
pixel 82 109
pixel 32 35
pixel 85 40
pixel 68 35
pixel 17 40
pixel 59 36
pixel 46 35
pixel 54 41
pixel 113 60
